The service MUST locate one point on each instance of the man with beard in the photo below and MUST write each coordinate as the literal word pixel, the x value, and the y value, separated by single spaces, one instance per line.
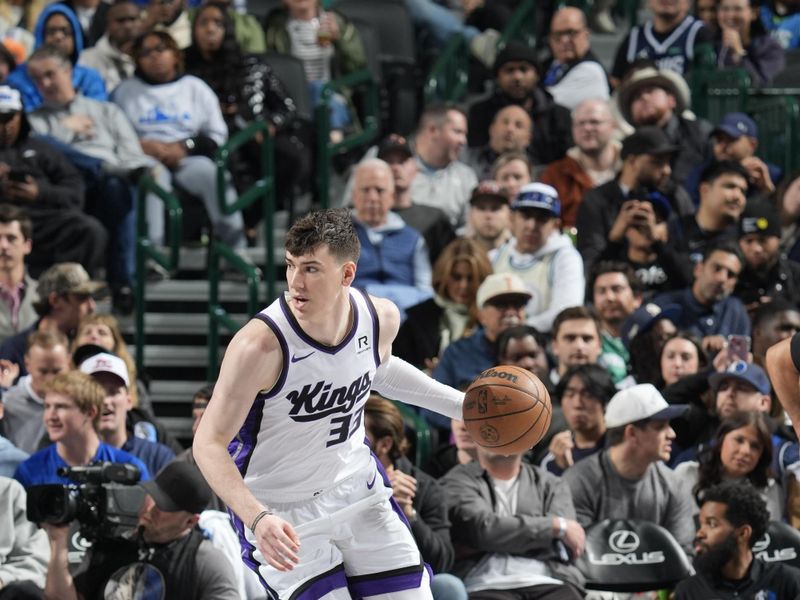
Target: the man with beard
pixel 541 255
pixel 773 322
pixel 616 294
pixel 576 340
pixel 733 517
pixel 17 287
pixel 489 216
pixel 592 161
pixel 511 131
pixel 516 82
pixel 609 210
pixel 723 194
pixel 109 56
pixel 671 38
pixel 708 310
pixel 501 301
pixel 658 98
pixel 766 274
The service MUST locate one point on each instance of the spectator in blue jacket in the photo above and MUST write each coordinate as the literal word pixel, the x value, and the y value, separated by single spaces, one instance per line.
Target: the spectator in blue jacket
pixel 707 308
pixel 59 27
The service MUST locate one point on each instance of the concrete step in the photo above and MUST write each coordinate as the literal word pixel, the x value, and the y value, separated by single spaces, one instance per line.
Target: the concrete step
pixel 197 290
pixel 174 391
pixel 158 323
pixel 169 355
pixel 180 427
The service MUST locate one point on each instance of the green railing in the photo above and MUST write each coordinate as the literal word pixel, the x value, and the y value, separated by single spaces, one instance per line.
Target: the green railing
pixel 717 92
pixel 449 76
pixel 145 249
pixel 370 125
pixel 217 315
pixel 423 445
pixel 263 188
pixel 778 119
pixel 521 26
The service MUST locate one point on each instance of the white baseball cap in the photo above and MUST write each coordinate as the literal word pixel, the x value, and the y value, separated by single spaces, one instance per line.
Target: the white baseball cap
pixel 640 402
pixel 501 284
pixel 106 363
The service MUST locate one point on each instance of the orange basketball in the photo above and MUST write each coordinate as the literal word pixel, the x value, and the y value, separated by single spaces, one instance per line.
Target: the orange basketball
pixel 507 410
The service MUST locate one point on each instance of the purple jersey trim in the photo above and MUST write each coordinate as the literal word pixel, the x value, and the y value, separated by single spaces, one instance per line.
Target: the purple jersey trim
pixel 397 580
pixel 247 550
pixel 311 341
pixel 316 588
pixel 376 327
pixel 284 351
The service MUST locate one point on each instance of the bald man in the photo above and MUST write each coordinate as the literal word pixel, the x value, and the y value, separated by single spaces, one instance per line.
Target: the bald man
pixel 574 73
pixel 511 130
pixel 593 161
pixel 394 258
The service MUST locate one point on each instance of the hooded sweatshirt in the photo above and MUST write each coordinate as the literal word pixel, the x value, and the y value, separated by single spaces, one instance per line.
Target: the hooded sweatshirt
pixel 86 80
pixel 553 274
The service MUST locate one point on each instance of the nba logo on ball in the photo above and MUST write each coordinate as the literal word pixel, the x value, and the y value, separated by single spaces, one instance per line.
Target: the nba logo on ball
pixel 507 410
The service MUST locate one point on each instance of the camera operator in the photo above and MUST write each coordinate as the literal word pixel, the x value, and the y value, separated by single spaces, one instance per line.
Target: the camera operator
pixel 73 402
pixel 168 551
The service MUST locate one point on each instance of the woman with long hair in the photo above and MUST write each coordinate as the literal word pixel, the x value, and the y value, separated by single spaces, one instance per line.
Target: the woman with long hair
pixel 248 90
pixel 741 450
pixel 681 355
pixel 452 313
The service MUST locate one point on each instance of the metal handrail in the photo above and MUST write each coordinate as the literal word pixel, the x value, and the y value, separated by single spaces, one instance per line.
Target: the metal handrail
pixel 217 315
pixel 449 76
pixel 263 188
pixel 145 249
pixel 369 127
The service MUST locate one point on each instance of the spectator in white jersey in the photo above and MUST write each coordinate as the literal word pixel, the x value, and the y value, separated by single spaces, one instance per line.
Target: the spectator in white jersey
pixel 673 39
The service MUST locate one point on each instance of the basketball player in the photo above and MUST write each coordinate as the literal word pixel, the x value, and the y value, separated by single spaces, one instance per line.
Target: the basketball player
pixel 311 505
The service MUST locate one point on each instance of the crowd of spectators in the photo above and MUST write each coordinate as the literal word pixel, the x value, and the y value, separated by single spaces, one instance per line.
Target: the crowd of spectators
pixel 579 223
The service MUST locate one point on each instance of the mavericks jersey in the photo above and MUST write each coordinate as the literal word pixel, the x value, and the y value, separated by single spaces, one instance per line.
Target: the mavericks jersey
pixel 307 433
pixel 675 53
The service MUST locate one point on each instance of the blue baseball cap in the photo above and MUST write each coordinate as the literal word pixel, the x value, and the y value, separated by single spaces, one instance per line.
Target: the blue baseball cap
pixel 644 317
pixel 737 124
pixel 743 371
pixel 538 195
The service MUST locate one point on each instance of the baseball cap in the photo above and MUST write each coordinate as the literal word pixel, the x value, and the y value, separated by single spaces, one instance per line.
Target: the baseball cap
pixel 394 144
pixel 760 217
pixel 516 52
pixel 647 140
pixel 10 100
pixel 179 486
pixel 501 284
pixel 85 351
pixel 489 189
pixel 644 317
pixel 737 124
pixel 638 402
pixel 538 195
pixel 67 278
pixel 743 371
pixel 106 363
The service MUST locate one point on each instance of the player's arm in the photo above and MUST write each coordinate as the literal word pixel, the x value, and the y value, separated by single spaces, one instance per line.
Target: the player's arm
pixel 398 380
pixel 783 362
pixel 252 362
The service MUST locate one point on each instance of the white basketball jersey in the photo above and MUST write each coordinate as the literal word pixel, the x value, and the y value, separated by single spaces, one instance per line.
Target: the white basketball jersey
pixel 307 433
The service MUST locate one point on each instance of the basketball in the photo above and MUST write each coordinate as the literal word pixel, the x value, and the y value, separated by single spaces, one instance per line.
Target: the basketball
pixel 507 410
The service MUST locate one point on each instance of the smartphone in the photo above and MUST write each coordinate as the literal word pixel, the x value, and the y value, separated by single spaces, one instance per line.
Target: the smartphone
pixel 18 175
pixel 739 347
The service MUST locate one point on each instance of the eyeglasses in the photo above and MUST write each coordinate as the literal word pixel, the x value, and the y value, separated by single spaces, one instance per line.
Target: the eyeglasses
pixel 51 31
pixel 130 19
pixel 145 52
pixel 570 34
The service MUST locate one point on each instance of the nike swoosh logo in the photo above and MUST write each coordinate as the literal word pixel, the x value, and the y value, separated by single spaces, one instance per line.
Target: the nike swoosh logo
pixel 299 358
pixel 372 483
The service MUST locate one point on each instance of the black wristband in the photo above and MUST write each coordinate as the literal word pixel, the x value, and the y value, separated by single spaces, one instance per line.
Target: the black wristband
pixel 795 347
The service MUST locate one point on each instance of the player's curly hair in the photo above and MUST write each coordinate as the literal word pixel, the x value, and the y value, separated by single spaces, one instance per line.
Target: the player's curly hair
pixel 332 227
pixel 743 506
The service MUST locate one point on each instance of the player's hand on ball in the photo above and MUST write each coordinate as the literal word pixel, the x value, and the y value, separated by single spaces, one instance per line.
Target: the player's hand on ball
pixel 278 542
pixel 575 538
pixel 561 448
